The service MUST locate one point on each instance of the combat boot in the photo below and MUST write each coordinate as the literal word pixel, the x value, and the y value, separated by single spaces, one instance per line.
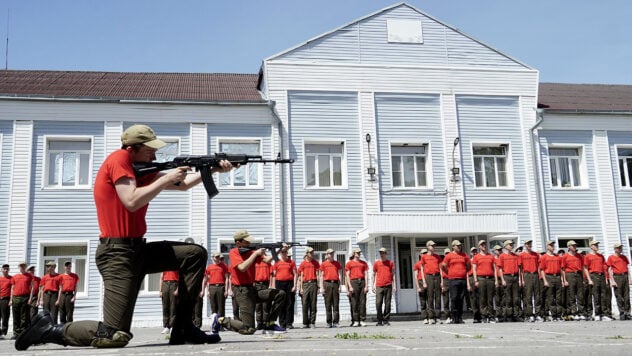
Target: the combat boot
pixel 40 331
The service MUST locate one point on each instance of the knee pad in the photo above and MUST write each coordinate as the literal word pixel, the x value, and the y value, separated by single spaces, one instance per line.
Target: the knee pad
pixel 107 337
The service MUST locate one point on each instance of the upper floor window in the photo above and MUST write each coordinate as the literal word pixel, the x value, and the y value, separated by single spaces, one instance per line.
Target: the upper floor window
pixel 151 283
pixel 76 254
pixel 323 165
pixel 68 162
pixel 248 175
pixel 490 166
pixel 565 167
pixel 409 166
pixel 625 166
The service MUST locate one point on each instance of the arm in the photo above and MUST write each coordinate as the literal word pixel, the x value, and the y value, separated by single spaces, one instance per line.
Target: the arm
pixel 366 281
pixel 422 270
pixel 394 280
pixel 204 283
pixel 348 282
pixel 475 275
pixel 374 279
pixel 243 266
pixel 587 274
pixel 228 285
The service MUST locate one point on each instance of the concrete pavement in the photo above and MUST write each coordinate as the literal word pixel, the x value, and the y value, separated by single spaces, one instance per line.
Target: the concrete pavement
pixel 401 338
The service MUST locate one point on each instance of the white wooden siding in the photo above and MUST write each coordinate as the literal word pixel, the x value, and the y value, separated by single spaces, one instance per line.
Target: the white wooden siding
pixel 6 167
pixel 623 197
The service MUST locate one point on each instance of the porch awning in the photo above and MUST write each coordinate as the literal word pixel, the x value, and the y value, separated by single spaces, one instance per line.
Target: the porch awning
pixel 438 224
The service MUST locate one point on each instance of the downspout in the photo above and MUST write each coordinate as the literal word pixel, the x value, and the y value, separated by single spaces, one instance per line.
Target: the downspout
pixel 539 184
pixel 279 122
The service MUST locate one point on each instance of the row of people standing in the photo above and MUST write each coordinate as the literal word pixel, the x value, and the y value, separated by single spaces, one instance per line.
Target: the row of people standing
pixel 23 293
pixel 521 284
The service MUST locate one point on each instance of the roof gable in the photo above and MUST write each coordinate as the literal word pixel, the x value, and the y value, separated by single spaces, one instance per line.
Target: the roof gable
pixel 365 41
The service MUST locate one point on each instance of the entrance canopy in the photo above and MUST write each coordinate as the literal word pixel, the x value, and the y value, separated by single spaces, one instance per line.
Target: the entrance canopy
pixel 438 224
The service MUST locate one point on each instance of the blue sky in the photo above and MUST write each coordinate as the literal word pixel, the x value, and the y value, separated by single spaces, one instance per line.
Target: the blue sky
pixel 569 41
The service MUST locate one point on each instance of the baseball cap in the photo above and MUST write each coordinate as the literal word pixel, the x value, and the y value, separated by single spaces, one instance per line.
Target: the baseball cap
pixel 383 249
pixel 68 263
pixel 51 264
pixel 447 250
pixel 497 247
pixel 571 243
pixel 356 250
pixel 473 249
pixel 330 250
pixel 423 250
pixel 308 250
pixel 137 134
pixel 242 235
pixel 22 264
pixel 594 242
pixel 617 245
pixel 31 267
pixel 481 242
pixel 528 242
pixel 216 254
pixel 456 243
pixel 550 242
pixel 508 242
pixel 5 266
pixel 430 243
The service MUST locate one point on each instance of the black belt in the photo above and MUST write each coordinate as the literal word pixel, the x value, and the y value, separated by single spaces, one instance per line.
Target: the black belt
pixel 311 281
pixel 217 285
pixel 486 277
pixel 621 274
pixel 432 274
pixel 170 281
pixel 552 274
pixel 21 296
pixel 574 272
pixel 597 273
pixel 130 241
pixel 531 272
pixel 242 285
pixel 50 292
pixel 265 282
pixel 511 274
pixel 66 293
pixel 358 279
pixel 4 298
pixel 333 281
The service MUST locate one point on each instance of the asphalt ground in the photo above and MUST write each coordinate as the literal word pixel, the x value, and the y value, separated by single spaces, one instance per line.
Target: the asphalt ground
pixel 401 338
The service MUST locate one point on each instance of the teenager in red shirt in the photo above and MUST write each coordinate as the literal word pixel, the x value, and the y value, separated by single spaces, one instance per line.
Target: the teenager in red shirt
pixel 68 295
pixel 21 289
pixel 217 281
pixel 49 297
pixel 509 271
pixel 456 265
pixel 432 277
pixel 383 286
pixel 357 280
pixel 572 270
pixel 618 266
pixel 532 298
pixel 5 299
pixel 330 288
pixel 35 294
pixel 551 270
pixel 285 278
pixel 263 275
pixel 484 275
pixel 594 264
pixel 309 276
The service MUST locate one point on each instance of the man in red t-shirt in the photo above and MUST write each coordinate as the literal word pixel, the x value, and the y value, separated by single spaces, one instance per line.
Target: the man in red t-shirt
pixel 123 257
pixel 33 307
pixel 243 259
pixel 595 269
pixel 509 272
pixel 5 299
pixel 168 294
pixel 432 278
pixel 551 271
pixel 309 276
pixel 285 278
pixel 484 276
pixel 456 264
pixel 532 298
pixel 330 287
pixel 572 270
pixel 263 274
pixel 618 266
pixel 50 287
pixel 384 286
pixel 21 289
pixel 69 282
pixel 217 281
pixel 357 283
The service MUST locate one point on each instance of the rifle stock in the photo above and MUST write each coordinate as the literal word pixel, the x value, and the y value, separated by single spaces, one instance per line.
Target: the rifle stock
pixel 204 164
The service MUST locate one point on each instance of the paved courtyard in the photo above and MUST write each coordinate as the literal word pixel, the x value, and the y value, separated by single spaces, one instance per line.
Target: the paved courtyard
pixel 401 338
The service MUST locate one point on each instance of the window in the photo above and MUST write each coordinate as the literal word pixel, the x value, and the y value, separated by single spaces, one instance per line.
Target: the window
pixel 404 31
pixel 625 166
pixel 323 165
pixel 248 175
pixel 68 163
pixel 77 254
pixel 565 167
pixel 490 166
pixel 408 164
pixel 341 255
pixel 583 243
pixel 170 151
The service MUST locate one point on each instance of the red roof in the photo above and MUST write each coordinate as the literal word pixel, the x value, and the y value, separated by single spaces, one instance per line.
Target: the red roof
pixel 585 97
pixel 203 87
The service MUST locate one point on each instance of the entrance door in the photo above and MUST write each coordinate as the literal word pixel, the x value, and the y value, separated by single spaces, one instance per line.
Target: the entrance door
pixel 407 293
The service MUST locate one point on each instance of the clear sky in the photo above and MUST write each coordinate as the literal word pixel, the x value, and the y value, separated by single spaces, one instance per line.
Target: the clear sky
pixel 568 41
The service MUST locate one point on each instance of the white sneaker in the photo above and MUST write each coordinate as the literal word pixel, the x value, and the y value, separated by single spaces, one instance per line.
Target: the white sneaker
pixel 354 324
pixel 165 331
pixel 448 320
pixel 576 317
pixel 581 317
pixel 362 323
pixel 426 321
pixel 606 318
pixel 532 319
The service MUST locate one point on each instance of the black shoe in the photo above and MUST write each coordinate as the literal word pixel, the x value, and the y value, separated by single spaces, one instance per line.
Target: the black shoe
pixel 40 331
pixel 290 326
pixel 379 323
pixel 192 336
pixel 386 323
pixel 477 321
pixel 260 327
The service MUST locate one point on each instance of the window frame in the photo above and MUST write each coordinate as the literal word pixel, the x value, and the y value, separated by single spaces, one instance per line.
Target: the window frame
pixel 565 238
pixel 621 174
pixel 583 174
pixel 169 140
pixel 429 177
pixel 46 164
pixel 40 269
pixel 508 163
pixel 343 164
pixel 234 139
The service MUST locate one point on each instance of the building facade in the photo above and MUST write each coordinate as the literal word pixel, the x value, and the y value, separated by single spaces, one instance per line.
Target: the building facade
pixel 403 128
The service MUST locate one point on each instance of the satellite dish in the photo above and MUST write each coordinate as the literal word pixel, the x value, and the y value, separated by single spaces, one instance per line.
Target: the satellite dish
pixel 189 240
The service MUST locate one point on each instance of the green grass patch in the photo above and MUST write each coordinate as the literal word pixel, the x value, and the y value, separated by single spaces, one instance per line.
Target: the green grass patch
pixel 616 337
pixel 356 336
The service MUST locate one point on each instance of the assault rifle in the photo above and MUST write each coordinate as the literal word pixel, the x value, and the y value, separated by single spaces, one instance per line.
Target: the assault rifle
pixel 274 247
pixel 204 164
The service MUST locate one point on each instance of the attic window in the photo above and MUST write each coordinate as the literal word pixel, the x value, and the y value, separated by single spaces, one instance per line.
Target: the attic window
pixel 404 31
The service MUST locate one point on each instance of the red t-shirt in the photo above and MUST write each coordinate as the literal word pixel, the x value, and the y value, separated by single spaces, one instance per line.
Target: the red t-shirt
pixel 284 270
pixel 69 282
pixel 262 271
pixel 170 276
pixel 21 284
pixel 239 278
pixel 509 262
pixel 551 264
pixel 356 269
pixel 114 219
pixel 331 270
pixel 417 267
pixel 36 285
pixel 431 263
pixel 5 286
pixel 484 265
pixel 383 272
pixel 595 262
pixel 619 264
pixel 308 269
pixel 216 273
pixel 529 261
pixel 572 263
pixel 51 283
pixel 457 265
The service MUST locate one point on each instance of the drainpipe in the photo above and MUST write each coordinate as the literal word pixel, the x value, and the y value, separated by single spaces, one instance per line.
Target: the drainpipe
pixel 539 181
pixel 279 122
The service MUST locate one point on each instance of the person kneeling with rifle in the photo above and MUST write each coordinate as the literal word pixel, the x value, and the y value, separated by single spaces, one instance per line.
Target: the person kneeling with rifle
pixel 242 271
